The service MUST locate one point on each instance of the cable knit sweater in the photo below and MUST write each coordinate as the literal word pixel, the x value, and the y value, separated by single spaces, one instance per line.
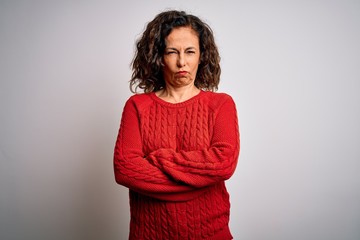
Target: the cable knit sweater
pixel 174 158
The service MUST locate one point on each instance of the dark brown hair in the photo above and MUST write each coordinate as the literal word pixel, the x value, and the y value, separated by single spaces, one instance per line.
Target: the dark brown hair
pixel 147 63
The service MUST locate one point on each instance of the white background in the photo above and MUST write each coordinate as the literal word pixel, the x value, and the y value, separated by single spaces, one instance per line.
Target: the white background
pixel 292 67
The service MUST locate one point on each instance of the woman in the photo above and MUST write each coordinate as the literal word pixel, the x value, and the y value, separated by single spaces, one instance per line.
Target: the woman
pixel 179 141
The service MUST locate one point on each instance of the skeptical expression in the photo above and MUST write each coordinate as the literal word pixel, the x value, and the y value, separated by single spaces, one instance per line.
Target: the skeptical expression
pixel 181 57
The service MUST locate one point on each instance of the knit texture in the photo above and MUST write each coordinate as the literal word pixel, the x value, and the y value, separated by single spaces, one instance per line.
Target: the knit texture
pixel 174 158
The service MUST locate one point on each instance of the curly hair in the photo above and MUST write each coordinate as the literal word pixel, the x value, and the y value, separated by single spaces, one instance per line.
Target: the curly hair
pixel 147 63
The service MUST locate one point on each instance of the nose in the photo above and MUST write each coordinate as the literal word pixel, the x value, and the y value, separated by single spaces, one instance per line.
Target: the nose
pixel 181 60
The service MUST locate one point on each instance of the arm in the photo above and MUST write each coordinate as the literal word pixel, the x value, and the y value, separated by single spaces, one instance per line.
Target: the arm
pixel 134 171
pixel 206 166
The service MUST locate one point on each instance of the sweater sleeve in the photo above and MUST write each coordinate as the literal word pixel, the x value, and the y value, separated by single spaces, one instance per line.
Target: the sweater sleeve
pixel 205 167
pixel 134 171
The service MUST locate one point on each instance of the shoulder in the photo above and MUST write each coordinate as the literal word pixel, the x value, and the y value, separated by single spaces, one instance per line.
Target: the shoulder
pixel 139 100
pixel 218 95
pixel 139 97
pixel 217 99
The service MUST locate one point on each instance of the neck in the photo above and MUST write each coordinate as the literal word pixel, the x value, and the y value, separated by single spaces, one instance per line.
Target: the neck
pixel 177 95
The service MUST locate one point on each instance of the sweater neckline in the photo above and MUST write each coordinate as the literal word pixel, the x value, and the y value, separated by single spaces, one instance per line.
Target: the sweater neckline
pixel 169 104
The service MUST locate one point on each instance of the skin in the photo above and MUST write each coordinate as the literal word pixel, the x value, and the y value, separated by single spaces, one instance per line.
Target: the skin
pixel 181 60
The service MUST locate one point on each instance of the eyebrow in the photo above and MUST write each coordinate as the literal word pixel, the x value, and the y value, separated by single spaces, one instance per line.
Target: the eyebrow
pixel 173 48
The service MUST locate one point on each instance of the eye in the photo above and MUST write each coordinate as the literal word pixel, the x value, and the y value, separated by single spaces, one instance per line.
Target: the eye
pixel 190 52
pixel 170 52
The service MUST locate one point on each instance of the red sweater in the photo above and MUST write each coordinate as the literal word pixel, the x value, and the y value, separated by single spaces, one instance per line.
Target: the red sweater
pixel 174 158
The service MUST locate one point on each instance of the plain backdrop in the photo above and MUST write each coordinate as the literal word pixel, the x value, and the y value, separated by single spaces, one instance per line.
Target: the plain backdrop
pixel 292 67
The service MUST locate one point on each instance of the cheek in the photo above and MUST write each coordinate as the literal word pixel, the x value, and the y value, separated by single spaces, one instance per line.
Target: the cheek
pixel 169 63
pixel 166 68
pixel 195 66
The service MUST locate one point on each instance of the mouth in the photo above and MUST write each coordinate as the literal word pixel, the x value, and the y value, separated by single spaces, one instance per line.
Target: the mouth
pixel 181 73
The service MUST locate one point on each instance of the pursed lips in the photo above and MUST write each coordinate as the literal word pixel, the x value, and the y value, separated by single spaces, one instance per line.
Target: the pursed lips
pixel 181 73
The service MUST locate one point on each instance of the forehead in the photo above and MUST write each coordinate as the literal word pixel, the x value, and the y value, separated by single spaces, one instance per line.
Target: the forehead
pixel 182 35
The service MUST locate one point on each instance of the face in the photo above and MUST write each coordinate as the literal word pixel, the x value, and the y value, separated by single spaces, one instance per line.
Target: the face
pixel 182 57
